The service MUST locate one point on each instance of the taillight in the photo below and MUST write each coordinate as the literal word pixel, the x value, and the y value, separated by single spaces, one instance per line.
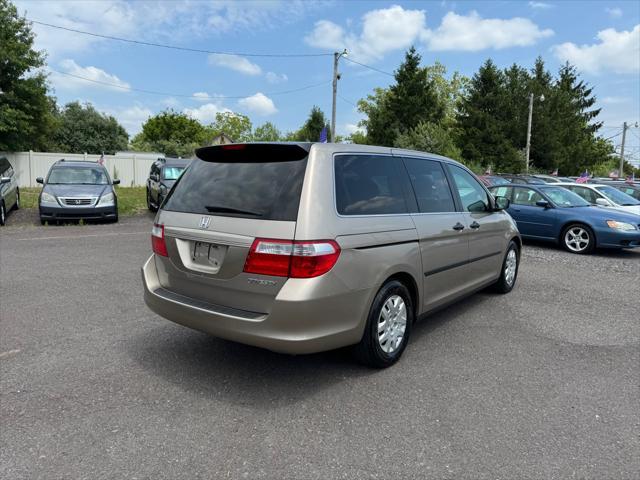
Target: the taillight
pixel 157 240
pixel 295 259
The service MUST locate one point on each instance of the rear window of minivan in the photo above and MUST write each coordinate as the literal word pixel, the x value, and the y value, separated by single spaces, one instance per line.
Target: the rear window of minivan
pixel 264 190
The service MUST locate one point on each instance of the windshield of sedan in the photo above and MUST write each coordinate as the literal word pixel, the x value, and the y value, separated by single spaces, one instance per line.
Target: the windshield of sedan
pixel 564 198
pixel 617 196
pixel 172 173
pixel 78 175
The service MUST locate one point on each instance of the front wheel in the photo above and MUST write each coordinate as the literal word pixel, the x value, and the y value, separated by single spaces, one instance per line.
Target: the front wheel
pixel 149 204
pixel 509 272
pixel 16 206
pixel 388 326
pixel 578 238
pixel 3 214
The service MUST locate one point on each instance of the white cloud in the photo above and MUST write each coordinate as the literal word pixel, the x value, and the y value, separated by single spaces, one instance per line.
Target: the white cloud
pixel 170 102
pixel 472 33
pixel 617 52
pixel 259 104
pixel 160 21
pixel 614 100
pixel 202 96
pixel 350 128
pixel 540 5
pixel 614 12
pixel 274 78
pixel 132 117
pixel 98 78
pixel 235 62
pixel 383 31
pixel 206 113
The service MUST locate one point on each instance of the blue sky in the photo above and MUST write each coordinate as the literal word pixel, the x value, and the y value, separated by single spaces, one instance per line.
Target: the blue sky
pixel 601 38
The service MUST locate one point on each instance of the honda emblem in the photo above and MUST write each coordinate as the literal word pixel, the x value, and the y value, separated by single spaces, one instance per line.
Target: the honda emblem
pixel 204 222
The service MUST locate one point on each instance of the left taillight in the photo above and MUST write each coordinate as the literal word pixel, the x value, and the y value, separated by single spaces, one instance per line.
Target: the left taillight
pixel 157 240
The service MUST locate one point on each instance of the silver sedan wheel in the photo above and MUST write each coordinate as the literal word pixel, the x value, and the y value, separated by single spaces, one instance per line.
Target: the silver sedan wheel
pixel 510 267
pixel 392 324
pixel 576 239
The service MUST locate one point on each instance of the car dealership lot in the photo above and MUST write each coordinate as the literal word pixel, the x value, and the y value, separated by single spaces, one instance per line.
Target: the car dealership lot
pixel 542 382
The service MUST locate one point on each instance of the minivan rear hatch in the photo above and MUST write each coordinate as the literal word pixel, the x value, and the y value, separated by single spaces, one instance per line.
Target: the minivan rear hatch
pixel 228 197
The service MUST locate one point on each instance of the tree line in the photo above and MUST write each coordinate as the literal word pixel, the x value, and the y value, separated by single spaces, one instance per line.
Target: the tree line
pixel 481 121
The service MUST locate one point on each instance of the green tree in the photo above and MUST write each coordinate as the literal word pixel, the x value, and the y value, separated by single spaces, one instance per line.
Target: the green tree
pixel 26 111
pixel 482 138
pixel 266 132
pixel 81 128
pixel 430 137
pixel 172 133
pixel 310 131
pixel 412 99
pixel 236 126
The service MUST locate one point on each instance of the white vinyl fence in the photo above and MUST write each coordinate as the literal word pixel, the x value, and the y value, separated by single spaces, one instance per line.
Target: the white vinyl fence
pixel 132 168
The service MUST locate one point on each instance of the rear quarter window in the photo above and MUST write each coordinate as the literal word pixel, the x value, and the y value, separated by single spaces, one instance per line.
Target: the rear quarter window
pixel 268 190
pixel 369 185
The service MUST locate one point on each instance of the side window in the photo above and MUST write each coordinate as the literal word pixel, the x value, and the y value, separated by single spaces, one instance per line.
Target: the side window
pixel 474 197
pixel 585 193
pixel 430 186
pixel 4 166
pixel 526 196
pixel 369 185
pixel 502 192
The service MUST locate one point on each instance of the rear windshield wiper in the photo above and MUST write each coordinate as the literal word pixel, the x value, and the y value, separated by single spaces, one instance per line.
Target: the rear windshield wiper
pixel 222 209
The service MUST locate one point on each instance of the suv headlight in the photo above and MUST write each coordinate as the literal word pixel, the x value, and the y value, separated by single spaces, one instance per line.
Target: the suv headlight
pixel 106 200
pixel 627 227
pixel 48 198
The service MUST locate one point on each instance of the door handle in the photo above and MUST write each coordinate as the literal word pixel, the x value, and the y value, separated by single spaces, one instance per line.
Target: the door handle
pixel 475 225
pixel 458 226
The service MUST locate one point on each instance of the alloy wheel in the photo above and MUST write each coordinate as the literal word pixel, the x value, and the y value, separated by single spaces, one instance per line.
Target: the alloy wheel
pixel 577 239
pixel 510 267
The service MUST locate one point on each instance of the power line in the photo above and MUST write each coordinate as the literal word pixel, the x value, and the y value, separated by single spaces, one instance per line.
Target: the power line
pixel 176 47
pixel 613 136
pixel 347 101
pixel 167 94
pixel 369 67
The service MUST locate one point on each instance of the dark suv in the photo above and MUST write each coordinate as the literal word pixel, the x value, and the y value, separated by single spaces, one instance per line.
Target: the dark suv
pixel 163 174
pixel 9 191
pixel 76 190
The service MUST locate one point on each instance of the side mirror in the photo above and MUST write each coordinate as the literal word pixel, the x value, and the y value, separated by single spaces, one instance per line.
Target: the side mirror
pixel 602 202
pixel 40 180
pixel 4 180
pixel 502 203
pixel 543 203
pixel 116 181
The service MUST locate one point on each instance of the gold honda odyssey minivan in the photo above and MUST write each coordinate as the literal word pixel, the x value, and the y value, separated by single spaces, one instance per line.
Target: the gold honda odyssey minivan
pixel 305 247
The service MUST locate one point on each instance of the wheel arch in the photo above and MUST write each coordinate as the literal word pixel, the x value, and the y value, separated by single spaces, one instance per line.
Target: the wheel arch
pixel 408 281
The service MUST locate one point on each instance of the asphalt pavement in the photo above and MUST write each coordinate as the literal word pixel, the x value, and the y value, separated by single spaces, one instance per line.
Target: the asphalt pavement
pixel 541 383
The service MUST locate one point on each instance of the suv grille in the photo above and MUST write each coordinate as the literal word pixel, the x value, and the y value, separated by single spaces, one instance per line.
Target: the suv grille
pixel 77 201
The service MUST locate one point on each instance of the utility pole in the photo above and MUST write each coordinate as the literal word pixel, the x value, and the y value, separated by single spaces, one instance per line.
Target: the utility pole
pixel 336 77
pixel 624 136
pixel 529 127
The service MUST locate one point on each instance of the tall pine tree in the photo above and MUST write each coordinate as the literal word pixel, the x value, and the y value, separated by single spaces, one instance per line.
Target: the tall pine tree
pixel 481 120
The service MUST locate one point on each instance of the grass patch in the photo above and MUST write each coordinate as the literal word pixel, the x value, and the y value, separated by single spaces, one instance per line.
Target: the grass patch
pixel 131 200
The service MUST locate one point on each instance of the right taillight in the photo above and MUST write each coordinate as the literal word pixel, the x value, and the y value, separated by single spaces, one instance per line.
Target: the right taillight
pixel 295 259
pixel 157 240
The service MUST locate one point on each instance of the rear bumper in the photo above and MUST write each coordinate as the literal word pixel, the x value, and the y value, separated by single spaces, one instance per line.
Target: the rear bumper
pixel 78 213
pixel 294 325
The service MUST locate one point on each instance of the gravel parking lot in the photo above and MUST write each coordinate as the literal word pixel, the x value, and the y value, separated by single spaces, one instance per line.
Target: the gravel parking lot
pixel 540 383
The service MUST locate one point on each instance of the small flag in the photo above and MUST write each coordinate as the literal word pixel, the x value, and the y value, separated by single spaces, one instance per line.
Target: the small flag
pixel 101 159
pixel 323 135
pixel 488 171
pixel 583 178
pixel 614 174
pixel 555 173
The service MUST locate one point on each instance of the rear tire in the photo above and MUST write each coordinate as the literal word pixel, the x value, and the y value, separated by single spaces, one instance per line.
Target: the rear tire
pixel 578 238
pixel 388 327
pixel 510 267
pixel 3 214
pixel 149 204
pixel 16 206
